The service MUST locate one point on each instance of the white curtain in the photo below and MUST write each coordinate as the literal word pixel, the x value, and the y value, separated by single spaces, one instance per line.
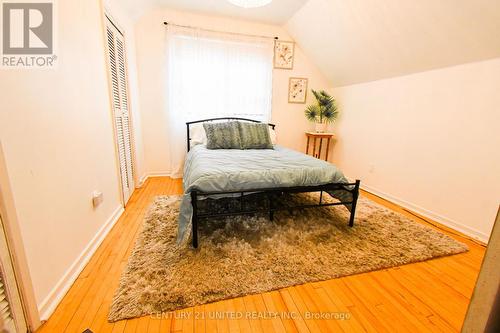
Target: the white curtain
pixel 211 75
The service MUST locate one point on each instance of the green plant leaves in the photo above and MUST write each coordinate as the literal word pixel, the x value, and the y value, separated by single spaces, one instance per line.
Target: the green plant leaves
pixel 312 112
pixel 326 109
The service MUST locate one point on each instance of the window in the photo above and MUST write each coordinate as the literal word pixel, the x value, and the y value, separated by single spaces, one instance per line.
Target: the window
pixel 216 75
pixel 212 75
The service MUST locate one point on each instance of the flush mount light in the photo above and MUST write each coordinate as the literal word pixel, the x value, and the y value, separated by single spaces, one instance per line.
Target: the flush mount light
pixel 250 3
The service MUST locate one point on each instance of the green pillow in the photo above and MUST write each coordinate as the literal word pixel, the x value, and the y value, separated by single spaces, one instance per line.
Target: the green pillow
pixel 223 135
pixel 255 136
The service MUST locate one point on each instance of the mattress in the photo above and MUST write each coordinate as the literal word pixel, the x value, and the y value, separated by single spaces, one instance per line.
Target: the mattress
pixel 222 170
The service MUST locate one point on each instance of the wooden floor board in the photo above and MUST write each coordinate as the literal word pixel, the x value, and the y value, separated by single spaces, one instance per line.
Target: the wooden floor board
pixel 429 296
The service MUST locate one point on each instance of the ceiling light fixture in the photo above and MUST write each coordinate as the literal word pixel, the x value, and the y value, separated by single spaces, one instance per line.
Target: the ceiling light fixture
pixel 250 3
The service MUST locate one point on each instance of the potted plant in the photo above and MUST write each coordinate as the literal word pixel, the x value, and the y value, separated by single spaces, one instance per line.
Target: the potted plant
pixel 322 113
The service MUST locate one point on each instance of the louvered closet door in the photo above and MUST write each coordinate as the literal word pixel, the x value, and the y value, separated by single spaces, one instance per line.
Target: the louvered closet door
pixel 116 53
pixel 11 310
pixel 6 320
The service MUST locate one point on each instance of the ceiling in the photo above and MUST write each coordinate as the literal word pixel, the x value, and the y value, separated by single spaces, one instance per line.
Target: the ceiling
pixel 277 12
pixel 354 41
pixel 364 40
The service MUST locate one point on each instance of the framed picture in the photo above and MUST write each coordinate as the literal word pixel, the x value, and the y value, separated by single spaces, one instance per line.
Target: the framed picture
pixel 297 90
pixel 283 54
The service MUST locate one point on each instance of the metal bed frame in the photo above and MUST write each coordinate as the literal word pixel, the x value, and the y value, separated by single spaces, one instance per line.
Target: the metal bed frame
pixel 270 193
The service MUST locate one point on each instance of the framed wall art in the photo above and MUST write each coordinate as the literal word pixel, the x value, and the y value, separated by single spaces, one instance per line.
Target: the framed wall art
pixel 284 53
pixel 297 90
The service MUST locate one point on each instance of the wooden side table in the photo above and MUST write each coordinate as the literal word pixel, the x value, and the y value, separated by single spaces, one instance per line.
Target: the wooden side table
pixel 315 136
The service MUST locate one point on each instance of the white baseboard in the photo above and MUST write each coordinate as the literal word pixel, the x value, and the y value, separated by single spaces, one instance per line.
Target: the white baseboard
pixel 49 304
pixel 143 179
pixel 158 174
pixel 466 230
pixel 176 175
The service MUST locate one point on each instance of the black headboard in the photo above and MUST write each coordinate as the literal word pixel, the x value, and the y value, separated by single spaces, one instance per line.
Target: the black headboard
pixel 188 124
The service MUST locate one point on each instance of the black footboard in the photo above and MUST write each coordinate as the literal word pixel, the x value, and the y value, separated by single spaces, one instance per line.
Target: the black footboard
pixel 352 188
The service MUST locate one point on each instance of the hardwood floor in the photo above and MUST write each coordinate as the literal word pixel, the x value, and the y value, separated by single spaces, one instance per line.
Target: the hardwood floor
pixel 420 297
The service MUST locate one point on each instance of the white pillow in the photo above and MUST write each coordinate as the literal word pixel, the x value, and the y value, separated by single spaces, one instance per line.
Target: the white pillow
pixel 198 135
pixel 272 135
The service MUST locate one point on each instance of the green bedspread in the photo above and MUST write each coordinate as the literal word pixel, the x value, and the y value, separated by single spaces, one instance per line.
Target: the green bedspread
pixel 232 170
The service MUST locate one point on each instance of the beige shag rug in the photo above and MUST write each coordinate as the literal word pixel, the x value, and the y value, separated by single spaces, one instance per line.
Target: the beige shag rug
pixel 249 254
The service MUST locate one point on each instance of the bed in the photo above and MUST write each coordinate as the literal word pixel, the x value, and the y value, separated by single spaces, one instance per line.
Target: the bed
pixel 220 173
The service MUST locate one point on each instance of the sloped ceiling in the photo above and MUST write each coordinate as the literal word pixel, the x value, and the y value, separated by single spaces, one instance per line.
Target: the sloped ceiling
pixel 355 41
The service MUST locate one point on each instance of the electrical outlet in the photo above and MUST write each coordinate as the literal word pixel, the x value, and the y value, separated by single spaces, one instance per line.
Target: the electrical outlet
pixel 371 168
pixel 97 198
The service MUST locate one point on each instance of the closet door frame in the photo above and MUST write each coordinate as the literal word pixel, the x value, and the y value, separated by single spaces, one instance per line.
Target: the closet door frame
pixel 16 249
pixel 11 291
pixel 105 18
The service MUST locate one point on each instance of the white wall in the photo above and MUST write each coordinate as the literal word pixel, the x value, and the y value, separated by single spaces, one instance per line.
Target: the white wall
pixel 150 55
pixel 57 134
pixel 430 141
